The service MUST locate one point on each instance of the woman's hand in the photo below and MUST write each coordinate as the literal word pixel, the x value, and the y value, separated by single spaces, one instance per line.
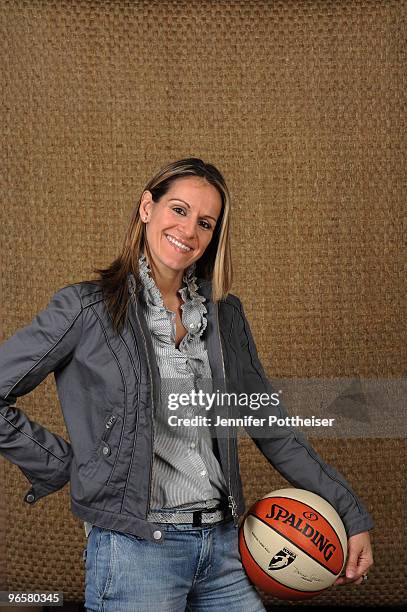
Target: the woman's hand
pixel 360 559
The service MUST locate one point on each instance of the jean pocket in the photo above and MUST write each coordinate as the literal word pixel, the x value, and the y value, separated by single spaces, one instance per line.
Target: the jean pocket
pixel 103 560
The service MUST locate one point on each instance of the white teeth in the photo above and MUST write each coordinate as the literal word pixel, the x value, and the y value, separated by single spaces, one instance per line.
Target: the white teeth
pixel 178 244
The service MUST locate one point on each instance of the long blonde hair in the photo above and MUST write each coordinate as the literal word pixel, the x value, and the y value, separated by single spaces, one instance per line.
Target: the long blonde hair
pixel 214 265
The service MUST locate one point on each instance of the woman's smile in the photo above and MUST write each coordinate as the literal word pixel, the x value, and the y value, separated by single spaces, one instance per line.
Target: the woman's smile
pixel 177 244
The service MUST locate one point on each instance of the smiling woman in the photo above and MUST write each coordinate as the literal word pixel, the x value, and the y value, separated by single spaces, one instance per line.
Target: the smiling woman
pixel 182 218
pixel 161 504
pixel 180 226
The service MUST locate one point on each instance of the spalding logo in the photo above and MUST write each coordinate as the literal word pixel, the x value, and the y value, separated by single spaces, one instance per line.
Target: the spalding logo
pixel 320 541
pixel 282 559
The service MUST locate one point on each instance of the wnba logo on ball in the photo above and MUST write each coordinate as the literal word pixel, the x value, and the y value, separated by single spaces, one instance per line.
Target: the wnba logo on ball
pixel 278 513
pixel 282 559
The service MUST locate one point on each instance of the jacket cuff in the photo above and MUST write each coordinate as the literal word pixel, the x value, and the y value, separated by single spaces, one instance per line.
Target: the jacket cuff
pixel 41 488
pixel 358 524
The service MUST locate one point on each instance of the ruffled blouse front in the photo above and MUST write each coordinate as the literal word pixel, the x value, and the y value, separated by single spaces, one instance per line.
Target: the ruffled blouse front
pixel 190 355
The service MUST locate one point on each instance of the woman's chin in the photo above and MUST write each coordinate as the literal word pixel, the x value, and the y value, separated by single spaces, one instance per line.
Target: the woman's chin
pixel 177 264
pixel 176 260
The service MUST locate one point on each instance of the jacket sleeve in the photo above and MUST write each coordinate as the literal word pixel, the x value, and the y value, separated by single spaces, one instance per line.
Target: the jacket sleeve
pixel 288 450
pixel 26 359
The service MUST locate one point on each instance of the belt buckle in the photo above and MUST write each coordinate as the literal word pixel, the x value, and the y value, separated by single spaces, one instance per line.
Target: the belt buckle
pixel 196 518
pixel 197 515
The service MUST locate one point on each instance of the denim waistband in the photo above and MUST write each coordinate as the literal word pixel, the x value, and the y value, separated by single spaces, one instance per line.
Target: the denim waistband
pixel 190 527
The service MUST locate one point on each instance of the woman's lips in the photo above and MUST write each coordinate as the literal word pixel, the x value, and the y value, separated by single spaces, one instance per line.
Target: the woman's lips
pixel 180 249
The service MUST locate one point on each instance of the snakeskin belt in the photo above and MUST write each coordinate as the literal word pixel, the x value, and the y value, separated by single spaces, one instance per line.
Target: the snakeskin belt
pixel 195 517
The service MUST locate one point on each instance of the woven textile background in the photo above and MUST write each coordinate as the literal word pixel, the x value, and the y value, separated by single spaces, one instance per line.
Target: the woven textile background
pixel 302 106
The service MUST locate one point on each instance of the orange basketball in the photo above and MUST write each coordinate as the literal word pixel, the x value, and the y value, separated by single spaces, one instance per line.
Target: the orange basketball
pixel 293 544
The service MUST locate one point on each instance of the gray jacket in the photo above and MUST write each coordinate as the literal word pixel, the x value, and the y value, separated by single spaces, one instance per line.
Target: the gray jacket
pixel 107 386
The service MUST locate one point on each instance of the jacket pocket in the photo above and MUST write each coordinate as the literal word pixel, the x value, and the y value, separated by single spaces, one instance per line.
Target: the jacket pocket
pixel 105 450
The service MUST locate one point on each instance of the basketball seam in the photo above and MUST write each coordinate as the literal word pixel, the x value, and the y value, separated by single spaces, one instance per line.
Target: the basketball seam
pixel 275 579
pixel 311 508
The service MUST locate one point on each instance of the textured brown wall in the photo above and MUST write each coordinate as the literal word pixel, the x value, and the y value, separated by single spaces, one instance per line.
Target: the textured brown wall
pixel 302 105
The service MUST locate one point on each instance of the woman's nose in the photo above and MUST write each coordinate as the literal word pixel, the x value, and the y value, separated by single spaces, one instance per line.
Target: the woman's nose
pixel 189 226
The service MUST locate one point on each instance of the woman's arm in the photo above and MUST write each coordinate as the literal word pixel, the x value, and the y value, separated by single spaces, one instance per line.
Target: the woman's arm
pixel 287 449
pixel 26 359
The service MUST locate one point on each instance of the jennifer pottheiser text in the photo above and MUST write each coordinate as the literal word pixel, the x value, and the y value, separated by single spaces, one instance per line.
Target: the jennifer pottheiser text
pixel 249 421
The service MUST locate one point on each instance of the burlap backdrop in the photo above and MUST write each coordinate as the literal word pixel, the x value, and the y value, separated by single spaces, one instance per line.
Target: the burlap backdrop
pixel 302 106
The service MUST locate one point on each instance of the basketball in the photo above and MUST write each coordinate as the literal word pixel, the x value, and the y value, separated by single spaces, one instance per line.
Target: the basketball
pixel 293 544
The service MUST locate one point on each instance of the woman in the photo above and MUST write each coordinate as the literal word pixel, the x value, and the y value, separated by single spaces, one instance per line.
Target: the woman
pixel 160 503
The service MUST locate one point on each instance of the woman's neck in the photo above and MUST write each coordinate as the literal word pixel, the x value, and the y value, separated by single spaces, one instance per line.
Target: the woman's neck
pixel 168 281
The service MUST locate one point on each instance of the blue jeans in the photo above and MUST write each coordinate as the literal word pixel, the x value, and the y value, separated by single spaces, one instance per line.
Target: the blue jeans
pixel 195 569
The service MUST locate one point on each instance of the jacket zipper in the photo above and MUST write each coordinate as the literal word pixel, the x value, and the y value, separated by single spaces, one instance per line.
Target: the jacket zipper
pixel 138 377
pixel 152 419
pixel 109 424
pixel 231 499
pixel 108 427
pixel 103 440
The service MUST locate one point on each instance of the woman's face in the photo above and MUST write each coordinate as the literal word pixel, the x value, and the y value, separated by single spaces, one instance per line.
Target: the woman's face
pixel 186 215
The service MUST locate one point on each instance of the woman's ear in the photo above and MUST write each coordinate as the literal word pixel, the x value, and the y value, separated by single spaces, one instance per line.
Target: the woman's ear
pixel 145 206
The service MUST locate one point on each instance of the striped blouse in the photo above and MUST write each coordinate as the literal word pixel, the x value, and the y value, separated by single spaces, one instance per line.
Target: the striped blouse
pixel 186 473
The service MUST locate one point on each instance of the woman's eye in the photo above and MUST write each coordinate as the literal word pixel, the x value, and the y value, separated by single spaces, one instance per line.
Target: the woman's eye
pixel 178 208
pixel 206 225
